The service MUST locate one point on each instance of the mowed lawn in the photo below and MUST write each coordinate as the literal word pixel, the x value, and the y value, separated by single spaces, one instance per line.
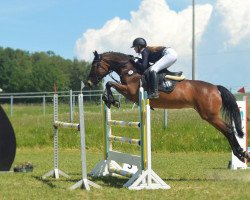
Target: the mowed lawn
pixel 191 176
pixel 190 156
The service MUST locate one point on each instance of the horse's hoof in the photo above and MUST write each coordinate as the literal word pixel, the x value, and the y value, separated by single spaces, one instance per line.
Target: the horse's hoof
pixel 247 156
pixel 107 104
pixel 242 159
pixel 117 104
pixel 104 98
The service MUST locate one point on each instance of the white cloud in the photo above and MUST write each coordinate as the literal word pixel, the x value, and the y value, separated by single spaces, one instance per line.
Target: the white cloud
pixel 154 21
pixel 236 19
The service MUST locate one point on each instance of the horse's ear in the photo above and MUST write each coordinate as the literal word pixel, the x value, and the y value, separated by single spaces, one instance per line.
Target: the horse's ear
pixel 95 53
pixel 97 56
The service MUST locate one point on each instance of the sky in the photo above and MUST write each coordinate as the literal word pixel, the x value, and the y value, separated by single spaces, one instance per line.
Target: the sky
pixel 75 28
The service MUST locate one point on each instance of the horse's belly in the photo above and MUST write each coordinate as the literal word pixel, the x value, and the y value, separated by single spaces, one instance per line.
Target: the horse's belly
pixel 169 104
pixel 170 101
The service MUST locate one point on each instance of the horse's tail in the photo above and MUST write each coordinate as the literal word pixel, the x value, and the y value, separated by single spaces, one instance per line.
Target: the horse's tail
pixel 230 109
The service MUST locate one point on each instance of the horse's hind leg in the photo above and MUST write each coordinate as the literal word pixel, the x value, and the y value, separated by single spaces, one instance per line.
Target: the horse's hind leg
pixel 229 133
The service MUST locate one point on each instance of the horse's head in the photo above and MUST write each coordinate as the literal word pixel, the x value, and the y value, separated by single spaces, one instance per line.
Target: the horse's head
pixel 106 63
pixel 99 69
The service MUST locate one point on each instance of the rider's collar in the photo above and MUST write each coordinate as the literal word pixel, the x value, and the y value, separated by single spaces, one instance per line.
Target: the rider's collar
pixel 141 50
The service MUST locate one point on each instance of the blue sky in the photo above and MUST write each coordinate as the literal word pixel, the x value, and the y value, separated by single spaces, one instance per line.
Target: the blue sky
pixel 53 24
pixel 75 28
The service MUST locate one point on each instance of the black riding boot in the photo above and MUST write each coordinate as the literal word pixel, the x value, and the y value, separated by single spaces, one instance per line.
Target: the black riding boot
pixel 153 92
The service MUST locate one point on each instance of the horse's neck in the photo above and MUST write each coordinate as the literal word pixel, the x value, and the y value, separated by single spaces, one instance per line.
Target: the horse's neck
pixel 124 70
pixel 129 76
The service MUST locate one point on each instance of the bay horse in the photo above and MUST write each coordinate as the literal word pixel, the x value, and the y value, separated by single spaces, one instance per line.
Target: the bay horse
pixel 207 99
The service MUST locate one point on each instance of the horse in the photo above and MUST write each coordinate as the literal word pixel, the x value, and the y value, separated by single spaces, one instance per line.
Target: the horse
pixel 214 103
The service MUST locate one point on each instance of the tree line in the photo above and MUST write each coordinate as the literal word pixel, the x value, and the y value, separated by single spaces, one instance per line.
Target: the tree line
pixel 22 71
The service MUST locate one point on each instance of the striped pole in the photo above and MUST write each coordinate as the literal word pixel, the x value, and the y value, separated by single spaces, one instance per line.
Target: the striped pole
pixel 124 123
pixel 125 140
pixel 60 124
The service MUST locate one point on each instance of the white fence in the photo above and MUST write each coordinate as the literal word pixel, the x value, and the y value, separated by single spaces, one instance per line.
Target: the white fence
pixel 47 97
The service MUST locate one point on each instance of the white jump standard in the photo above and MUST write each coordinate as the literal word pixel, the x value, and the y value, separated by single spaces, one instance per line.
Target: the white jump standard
pixel 56 171
pixel 235 162
pixel 144 177
pixel 84 182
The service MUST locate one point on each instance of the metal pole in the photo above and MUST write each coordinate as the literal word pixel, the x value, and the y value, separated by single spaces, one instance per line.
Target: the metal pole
pixel 44 104
pixel 74 102
pixel 193 43
pixel 84 183
pixel 56 172
pixel 165 118
pixel 71 107
pixel 83 144
pixel 101 101
pixel 11 106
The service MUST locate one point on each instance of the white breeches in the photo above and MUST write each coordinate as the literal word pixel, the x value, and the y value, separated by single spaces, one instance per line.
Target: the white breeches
pixel 169 58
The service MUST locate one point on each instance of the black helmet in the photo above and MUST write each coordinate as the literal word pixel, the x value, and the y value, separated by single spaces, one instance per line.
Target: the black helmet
pixel 139 42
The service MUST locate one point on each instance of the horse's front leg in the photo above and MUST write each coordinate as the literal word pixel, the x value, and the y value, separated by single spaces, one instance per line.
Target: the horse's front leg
pixel 108 96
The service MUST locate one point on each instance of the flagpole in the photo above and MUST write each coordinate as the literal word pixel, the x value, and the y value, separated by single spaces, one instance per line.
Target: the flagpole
pixel 193 43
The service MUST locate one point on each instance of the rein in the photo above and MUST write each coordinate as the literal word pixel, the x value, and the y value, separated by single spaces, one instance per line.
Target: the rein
pixel 119 66
pixel 109 72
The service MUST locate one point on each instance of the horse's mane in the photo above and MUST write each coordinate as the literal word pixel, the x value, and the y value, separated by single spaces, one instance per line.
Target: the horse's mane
pixel 118 54
pixel 119 59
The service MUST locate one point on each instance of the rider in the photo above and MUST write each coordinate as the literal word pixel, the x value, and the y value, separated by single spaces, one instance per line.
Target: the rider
pixel 161 57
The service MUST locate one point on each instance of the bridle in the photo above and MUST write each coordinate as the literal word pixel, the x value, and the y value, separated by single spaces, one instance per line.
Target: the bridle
pixel 98 78
pixel 109 71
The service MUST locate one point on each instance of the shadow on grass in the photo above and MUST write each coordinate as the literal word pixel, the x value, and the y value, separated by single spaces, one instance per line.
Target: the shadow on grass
pixel 48 182
pixel 112 181
pixel 189 179
pixel 116 182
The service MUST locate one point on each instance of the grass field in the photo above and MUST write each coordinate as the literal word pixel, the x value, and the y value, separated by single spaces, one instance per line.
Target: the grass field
pixel 190 175
pixel 190 155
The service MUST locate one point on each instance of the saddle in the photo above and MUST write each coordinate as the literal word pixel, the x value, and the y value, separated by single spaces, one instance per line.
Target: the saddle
pixel 167 80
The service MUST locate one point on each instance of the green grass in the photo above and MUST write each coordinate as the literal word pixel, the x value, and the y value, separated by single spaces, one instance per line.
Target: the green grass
pixel 191 176
pixel 185 132
pixel 190 155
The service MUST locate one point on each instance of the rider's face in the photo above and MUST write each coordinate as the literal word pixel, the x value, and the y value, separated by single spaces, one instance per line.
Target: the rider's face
pixel 136 48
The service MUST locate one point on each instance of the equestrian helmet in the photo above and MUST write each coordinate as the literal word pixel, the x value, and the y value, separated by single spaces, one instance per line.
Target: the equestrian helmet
pixel 139 42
